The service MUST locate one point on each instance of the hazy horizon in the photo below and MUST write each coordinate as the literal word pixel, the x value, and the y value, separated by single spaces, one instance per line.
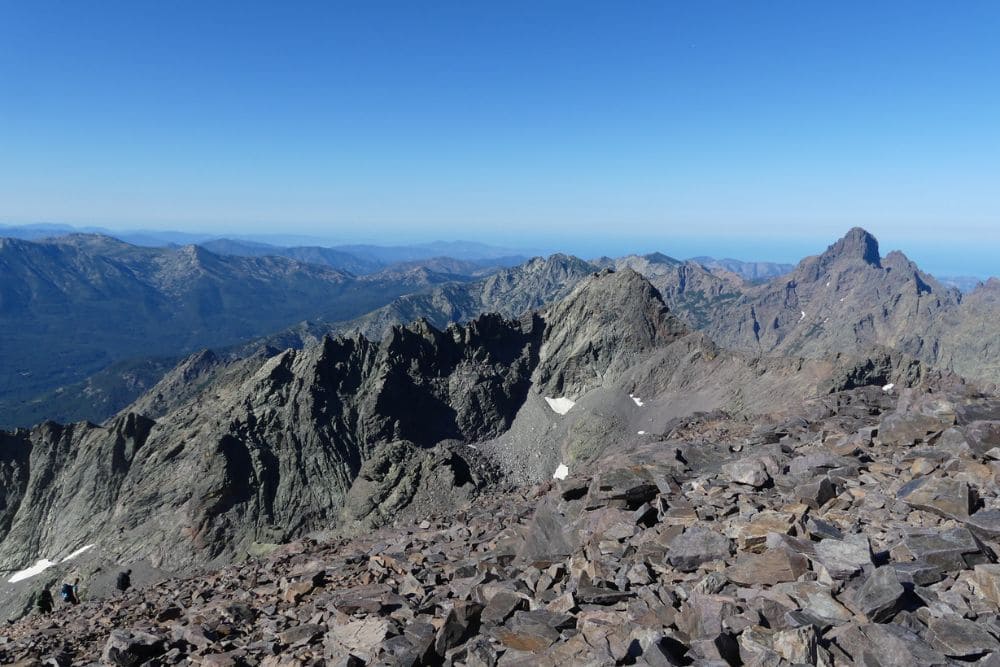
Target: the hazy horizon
pixel 932 255
pixel 760 132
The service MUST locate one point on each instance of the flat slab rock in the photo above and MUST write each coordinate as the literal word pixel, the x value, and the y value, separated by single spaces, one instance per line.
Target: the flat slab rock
pixel 947 497
pixel 880 596
pixel 697 545
pixel 957 637
pixel 774 566
pixel 844 558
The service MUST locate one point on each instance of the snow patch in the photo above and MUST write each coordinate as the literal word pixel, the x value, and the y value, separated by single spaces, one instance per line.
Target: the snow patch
pixel 641 433
pixel 561 472
pixel 889 387
pixel 29 572
pixel 803 316
pixel 44 564
pixel 638 401
pixel 77 552
pixel 828 283
pixel 560 405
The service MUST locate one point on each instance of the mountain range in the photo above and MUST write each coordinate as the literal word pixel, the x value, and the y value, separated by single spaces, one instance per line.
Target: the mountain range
pixel 301 424
pixel 557 327
pixel 91 322
pixel 78 305
pixel 629 422
pixel 845 300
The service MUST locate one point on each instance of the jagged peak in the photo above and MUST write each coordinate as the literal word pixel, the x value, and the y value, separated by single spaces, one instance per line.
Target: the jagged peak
pixel 337 348
pixel 401 337
pixel 857 244
pixel 599 328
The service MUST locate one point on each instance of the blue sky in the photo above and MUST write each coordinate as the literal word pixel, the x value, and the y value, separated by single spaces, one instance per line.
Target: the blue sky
pixel 570 125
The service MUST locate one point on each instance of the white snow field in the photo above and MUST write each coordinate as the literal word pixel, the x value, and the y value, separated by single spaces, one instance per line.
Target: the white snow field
pixel 560 405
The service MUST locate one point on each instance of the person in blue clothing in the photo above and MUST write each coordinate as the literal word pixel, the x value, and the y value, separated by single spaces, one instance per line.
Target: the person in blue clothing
pixel 70 592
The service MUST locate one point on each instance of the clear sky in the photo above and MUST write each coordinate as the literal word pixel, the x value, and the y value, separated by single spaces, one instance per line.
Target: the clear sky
pixel 541 123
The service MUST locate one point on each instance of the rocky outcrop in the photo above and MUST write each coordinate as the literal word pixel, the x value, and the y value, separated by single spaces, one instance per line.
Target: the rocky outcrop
pixel 400 478
pixel 262 458
pixel 587 343
pixel 693 292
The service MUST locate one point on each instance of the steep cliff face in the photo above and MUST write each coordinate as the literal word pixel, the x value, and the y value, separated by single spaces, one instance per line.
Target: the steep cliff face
pixel 64 483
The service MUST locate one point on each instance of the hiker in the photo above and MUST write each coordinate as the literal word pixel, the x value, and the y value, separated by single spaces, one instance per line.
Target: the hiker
pixel 44 601
pixel 69 592
pixel 124 581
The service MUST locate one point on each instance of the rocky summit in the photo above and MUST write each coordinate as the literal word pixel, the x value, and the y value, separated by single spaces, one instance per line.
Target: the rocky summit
pixel 860 529
pixel 606 471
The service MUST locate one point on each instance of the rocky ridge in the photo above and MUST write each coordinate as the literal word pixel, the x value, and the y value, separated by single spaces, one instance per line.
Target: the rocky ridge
pixel 844 301
pixel 609 389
